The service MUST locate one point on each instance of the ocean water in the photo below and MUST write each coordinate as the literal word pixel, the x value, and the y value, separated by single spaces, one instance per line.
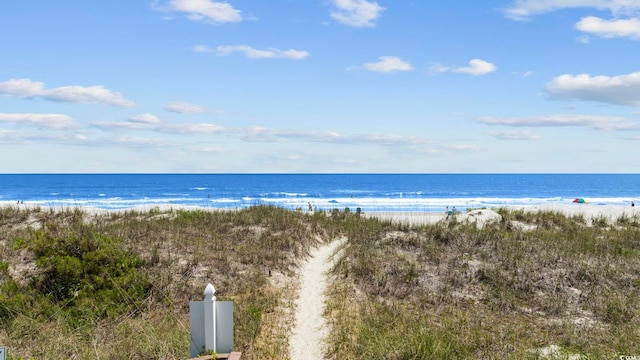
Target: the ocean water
pixel 370 192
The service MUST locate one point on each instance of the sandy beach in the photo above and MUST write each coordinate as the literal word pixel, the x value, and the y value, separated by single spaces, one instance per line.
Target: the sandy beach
pixel 588 211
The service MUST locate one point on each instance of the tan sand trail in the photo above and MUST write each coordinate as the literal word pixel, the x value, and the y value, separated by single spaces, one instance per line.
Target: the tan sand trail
pixel 310 330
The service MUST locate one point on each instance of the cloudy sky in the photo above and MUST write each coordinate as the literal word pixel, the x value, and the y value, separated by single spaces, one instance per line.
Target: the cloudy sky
pixel 320 86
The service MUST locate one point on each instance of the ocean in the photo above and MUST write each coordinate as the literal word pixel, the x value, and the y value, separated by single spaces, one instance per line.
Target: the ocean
pixel 370 192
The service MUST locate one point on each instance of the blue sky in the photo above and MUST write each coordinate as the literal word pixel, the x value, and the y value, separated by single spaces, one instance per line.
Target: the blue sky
pixel 319 86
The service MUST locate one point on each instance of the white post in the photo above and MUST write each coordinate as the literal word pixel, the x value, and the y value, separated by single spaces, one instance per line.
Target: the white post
pixel 210 318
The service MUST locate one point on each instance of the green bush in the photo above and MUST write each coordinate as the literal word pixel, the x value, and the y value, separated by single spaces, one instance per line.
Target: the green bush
pixel 94 271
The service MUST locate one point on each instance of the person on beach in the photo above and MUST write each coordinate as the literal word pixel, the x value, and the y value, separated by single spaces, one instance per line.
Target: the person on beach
pixel 310 208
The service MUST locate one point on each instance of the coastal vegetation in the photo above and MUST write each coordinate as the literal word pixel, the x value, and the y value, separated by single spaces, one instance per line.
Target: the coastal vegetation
pixel 77 284
pixel 118 285
pixel 534 285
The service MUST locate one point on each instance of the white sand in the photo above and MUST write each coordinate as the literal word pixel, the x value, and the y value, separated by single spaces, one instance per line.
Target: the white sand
pixel 589 211
pixel 90 210
pixel 482 216
pixel 408 217
pixel 307 339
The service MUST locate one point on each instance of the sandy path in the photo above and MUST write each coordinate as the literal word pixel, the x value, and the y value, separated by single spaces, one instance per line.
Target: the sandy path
pixel 307 338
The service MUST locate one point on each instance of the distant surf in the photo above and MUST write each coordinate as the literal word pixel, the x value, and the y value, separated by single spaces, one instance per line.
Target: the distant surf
pixel 370 192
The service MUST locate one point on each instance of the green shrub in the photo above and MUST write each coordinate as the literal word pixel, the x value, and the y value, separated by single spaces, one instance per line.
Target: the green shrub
pixel 94 272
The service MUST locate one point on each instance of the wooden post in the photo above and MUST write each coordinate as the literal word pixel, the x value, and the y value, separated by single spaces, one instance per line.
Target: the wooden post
pixel 210 318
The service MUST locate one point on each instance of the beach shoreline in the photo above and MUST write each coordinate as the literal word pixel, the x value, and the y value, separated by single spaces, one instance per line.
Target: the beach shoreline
pixel 590 212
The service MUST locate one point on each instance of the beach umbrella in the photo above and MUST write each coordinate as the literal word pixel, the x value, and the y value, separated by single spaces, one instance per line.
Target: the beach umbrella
pixel 579 200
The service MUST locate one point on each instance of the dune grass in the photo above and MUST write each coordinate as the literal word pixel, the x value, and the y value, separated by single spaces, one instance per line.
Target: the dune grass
pixel 118 285
pixel 451 291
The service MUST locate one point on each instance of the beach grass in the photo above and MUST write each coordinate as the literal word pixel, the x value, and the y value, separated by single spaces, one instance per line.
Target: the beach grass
pixel 74 284
pixel 81 284
pixel 452 291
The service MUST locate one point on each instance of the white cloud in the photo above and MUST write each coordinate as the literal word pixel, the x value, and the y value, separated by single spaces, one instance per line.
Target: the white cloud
pixel 388 64
pixel 209 149
pixel 13 137
pixel 138 122
pixel 359 13
pixel 261 54
pixel 185 108
pixel 390 139
pixel 148 122
pixel 87 95
pixel 610 28
pixel 338 138
pixel 328 136
pixel 515 135
pixel 619 90
pixel 145 119
pixel 22 88
pixel 439 68
pixel 205 10
pixel 477 67
pixel 130 125
pixel 592 121
pixel 276 135
pixel 524 9
pixel 27 88
pixel 203 49
pixel 62 138
pixel 202 128
pixel 139 142
pixel 49 121
pixel 264 134
pixel 449 148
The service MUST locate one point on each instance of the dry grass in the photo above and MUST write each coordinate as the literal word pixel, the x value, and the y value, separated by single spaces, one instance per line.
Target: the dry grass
pixel 453 291
pixel 180 252
pixel 514 290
